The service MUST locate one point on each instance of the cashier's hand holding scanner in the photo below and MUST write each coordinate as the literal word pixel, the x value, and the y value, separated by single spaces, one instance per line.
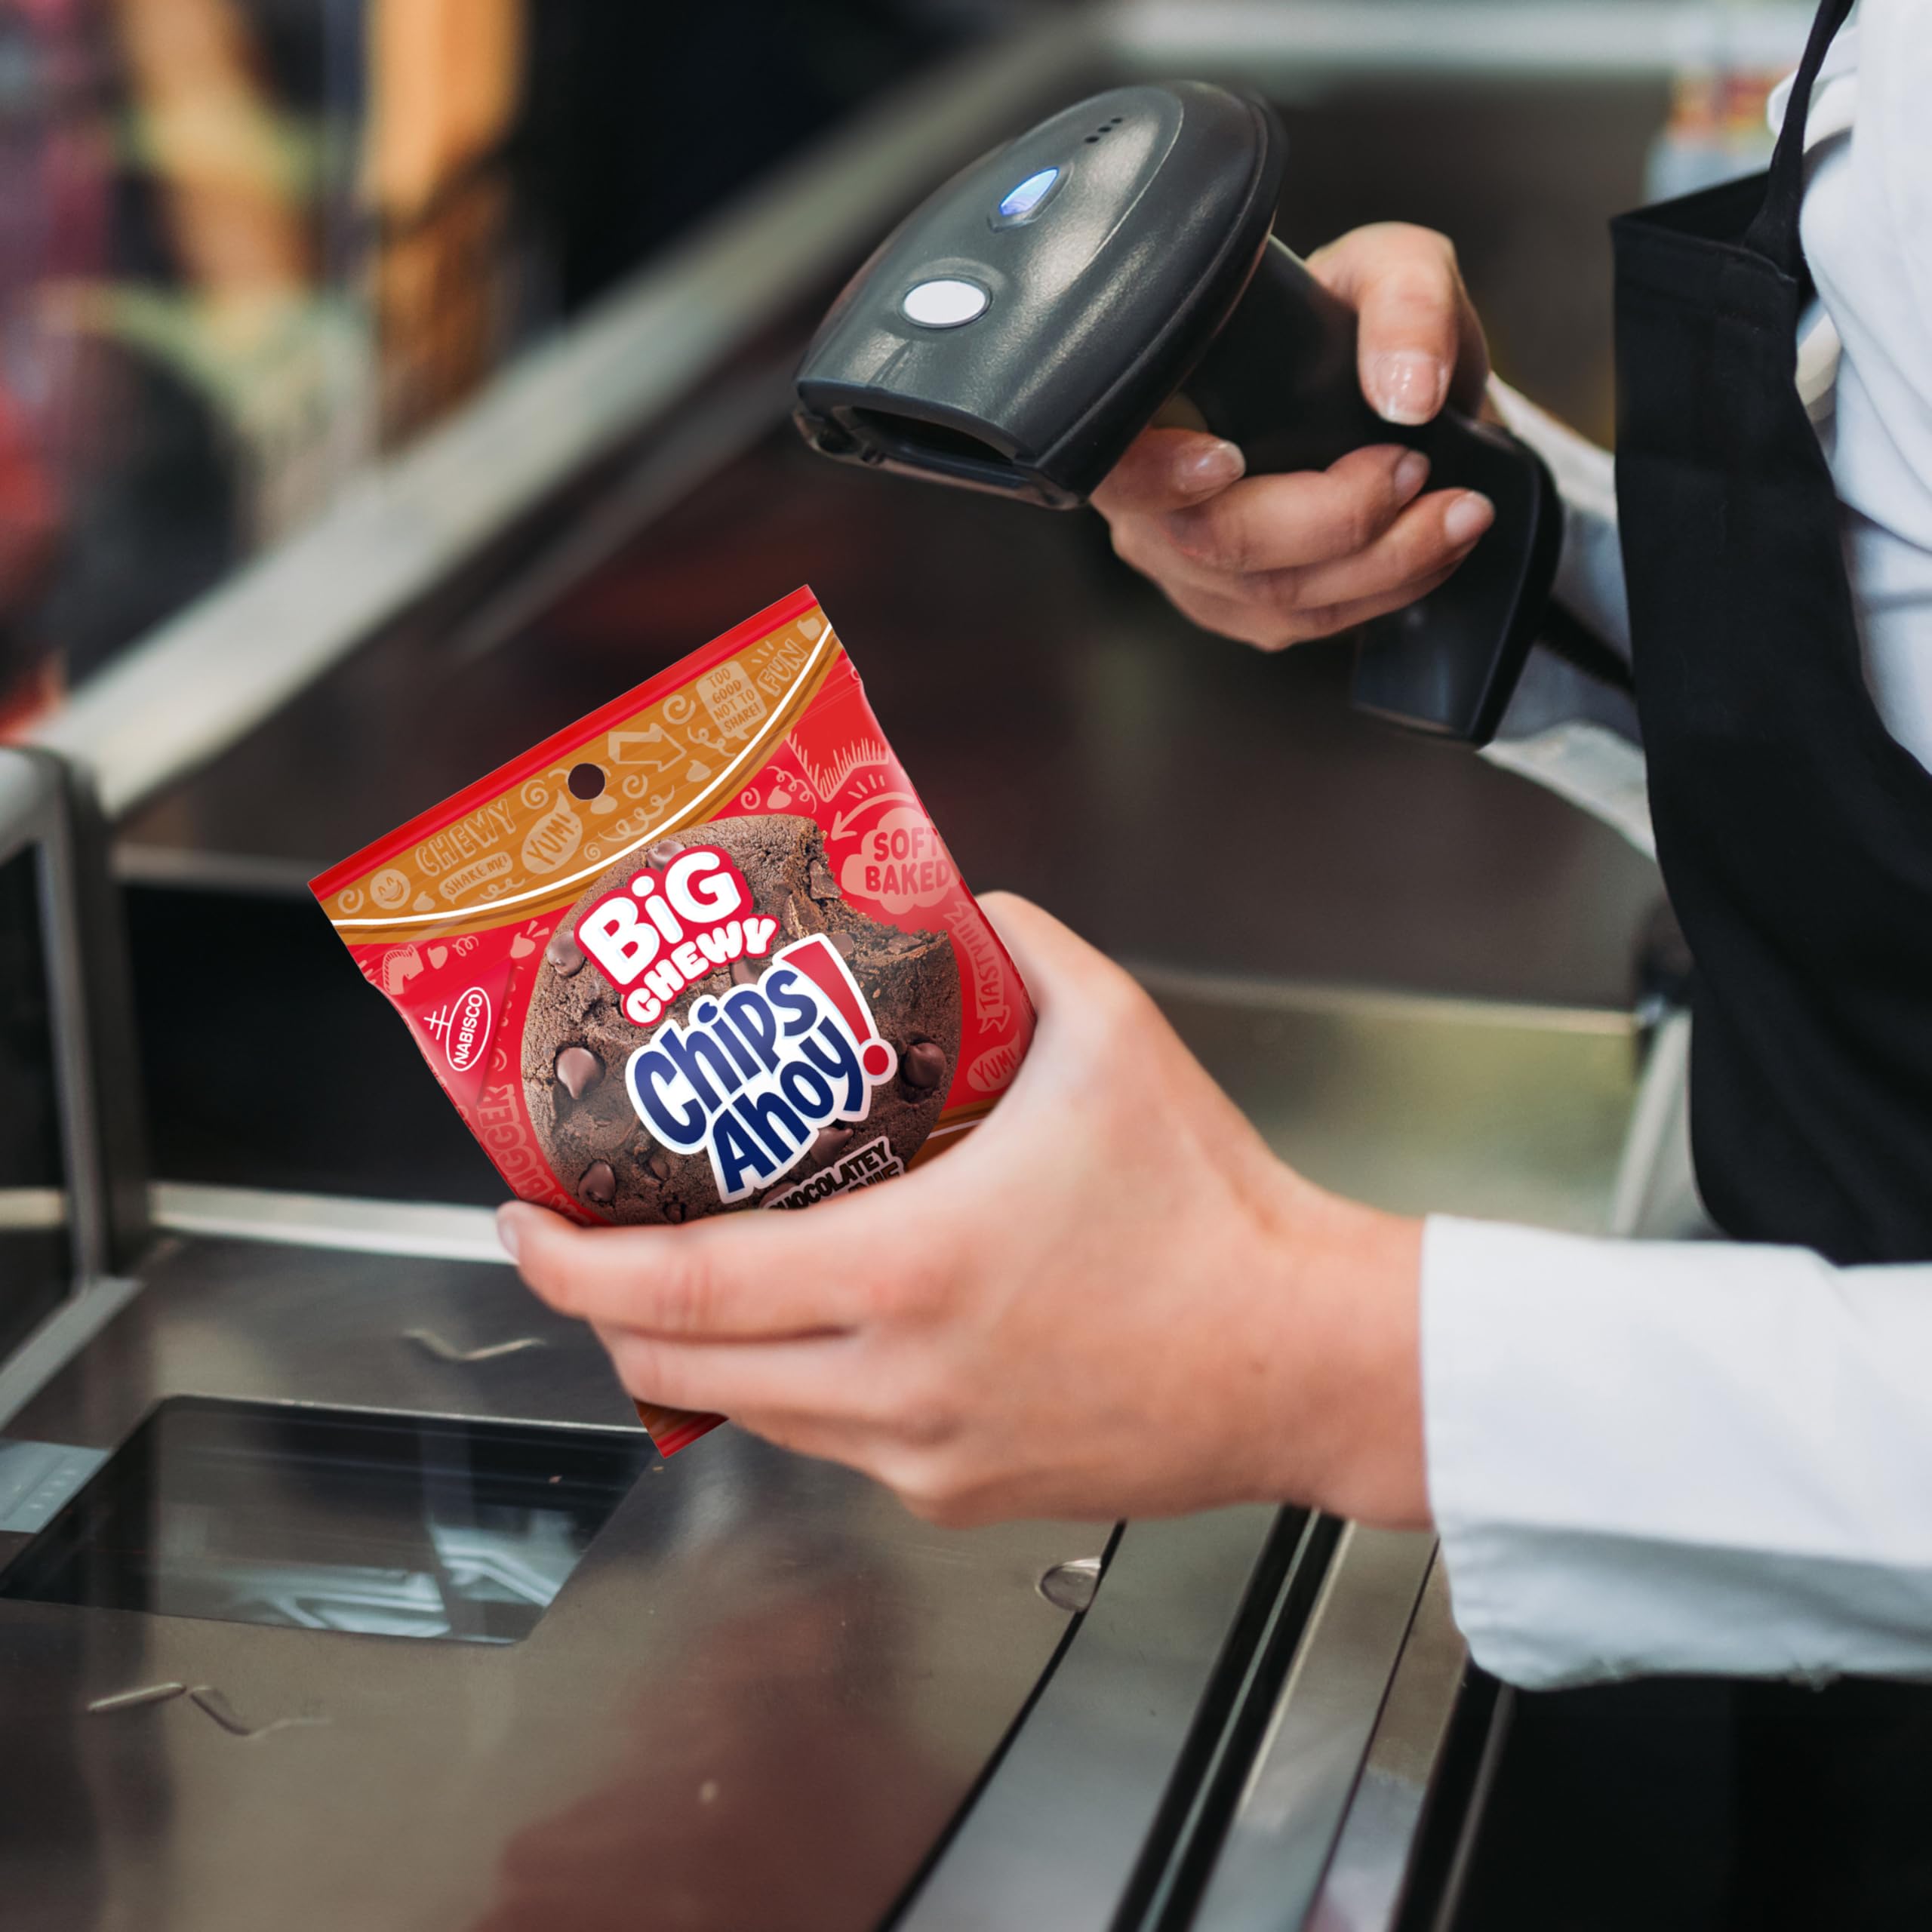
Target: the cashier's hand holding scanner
pixel 1275 560
pixel 1113 1300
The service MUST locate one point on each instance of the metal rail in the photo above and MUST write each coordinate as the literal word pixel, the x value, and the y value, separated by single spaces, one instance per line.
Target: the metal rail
pixel 1369 1872
pixel 419 1230
pixel 1318 41
pixel 1303 1785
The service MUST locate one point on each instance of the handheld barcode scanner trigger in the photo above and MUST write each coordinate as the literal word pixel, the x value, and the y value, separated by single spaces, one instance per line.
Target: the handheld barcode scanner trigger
pixel 1031 319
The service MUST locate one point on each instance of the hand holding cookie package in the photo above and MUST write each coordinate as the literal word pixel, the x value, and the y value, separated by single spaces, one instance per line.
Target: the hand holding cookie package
pixel 1085 1325
pixel 701 952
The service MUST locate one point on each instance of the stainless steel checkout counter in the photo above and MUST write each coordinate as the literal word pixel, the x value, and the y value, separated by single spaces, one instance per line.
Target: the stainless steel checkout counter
pixel 338 1585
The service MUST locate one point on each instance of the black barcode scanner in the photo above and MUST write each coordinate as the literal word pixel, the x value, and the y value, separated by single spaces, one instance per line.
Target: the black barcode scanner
pixel 1031 319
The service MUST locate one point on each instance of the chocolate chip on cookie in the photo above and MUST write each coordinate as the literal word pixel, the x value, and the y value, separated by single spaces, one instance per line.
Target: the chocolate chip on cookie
pixel 924 1064
pixel 580 1069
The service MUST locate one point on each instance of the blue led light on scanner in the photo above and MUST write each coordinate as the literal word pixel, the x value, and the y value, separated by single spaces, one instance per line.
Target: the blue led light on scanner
pixel 1029 194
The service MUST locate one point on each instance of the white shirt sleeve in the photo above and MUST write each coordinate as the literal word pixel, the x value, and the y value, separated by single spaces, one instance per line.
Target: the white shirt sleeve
pixel 1590 570
pixel 1867 228
pixel 1677 1456
pixel 1653 1456
pixel 1562 730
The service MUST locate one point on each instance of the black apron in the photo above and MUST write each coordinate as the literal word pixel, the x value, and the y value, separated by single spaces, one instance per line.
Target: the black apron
pixel 1794 833
pixel 1796 838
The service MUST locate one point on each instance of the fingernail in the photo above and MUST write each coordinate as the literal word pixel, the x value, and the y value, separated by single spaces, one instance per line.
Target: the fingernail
pixel 1213 468
pixel 1411 473
pixel 509 1229
pixel 1467 518
pixel 1406 386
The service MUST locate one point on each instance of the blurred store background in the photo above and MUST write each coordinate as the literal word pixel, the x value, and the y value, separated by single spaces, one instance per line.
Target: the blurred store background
pixel 245 244
pixel 252 252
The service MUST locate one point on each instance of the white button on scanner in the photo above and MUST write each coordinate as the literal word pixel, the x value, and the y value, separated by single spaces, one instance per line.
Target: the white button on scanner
pixel 945 304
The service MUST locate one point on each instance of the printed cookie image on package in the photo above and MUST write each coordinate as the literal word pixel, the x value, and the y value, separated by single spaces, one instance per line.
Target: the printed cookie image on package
pixel 703 951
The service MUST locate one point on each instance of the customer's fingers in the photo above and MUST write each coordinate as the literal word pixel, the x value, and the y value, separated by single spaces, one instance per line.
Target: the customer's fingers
pixel 735 1278
pixel 1057 965
pixel 820 1379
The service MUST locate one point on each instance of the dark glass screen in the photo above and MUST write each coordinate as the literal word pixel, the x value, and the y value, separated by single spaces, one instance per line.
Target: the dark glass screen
pixel 36 1246
pixel 388 1525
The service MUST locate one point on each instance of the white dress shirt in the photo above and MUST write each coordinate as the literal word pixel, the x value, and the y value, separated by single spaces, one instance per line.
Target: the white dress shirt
pixel 1691 1456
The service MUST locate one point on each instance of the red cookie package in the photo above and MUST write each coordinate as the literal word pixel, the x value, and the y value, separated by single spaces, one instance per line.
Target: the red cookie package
pixel 702 951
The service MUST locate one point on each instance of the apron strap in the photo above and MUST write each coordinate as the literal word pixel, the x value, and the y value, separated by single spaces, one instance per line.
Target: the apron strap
pixel 1774 234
